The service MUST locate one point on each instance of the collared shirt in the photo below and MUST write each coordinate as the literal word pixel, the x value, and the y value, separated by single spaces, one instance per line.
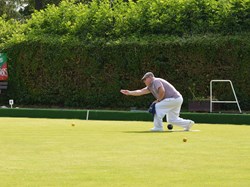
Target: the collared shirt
pixel 170 91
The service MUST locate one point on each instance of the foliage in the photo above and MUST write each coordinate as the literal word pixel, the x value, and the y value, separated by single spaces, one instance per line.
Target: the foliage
pixel 21 9
pixel 67 47
pixel 9 9
pixel 8 28
pixel 78 75
pixel 103 20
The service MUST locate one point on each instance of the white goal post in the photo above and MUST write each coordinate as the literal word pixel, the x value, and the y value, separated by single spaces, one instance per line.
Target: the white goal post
pixel 216 101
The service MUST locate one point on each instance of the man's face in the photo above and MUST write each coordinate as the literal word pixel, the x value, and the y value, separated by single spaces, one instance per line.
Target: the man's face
pixel 147 81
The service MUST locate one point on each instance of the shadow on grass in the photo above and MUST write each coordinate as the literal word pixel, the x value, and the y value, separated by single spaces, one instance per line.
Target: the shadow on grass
pixel 149 132
pixel 141 132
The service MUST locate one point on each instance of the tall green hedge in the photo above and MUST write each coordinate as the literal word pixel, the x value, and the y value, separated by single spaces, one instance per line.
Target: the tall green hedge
pixel 81 55
pixel 90 76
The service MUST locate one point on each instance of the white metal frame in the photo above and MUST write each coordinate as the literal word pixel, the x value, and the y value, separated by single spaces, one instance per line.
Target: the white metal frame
pixel 216 101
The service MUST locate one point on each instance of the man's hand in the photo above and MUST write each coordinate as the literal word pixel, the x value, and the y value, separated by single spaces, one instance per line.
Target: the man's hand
pixel 152 109
pixel 125 92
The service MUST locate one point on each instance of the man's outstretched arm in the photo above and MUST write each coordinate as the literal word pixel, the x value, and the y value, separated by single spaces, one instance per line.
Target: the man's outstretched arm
pixel 140 92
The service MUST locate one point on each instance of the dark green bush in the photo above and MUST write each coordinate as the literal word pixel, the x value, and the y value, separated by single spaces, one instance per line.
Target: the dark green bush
pixel 81 55
pixel 90 76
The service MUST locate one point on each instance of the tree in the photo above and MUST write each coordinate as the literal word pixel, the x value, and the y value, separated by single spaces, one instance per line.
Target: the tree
pixel 11 8
pixel 19 9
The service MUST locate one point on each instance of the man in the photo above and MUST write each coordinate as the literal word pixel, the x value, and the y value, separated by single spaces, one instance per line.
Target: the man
pixel 168 101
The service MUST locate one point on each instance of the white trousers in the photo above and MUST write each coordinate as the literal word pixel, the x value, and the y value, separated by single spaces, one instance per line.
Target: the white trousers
pixel 170 107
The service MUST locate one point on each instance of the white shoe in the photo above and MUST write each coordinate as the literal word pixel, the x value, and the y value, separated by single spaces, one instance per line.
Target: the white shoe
pixel 156 129
pixel 189 126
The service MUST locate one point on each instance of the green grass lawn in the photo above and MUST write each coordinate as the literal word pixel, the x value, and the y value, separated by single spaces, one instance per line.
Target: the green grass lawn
pixel 51 152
